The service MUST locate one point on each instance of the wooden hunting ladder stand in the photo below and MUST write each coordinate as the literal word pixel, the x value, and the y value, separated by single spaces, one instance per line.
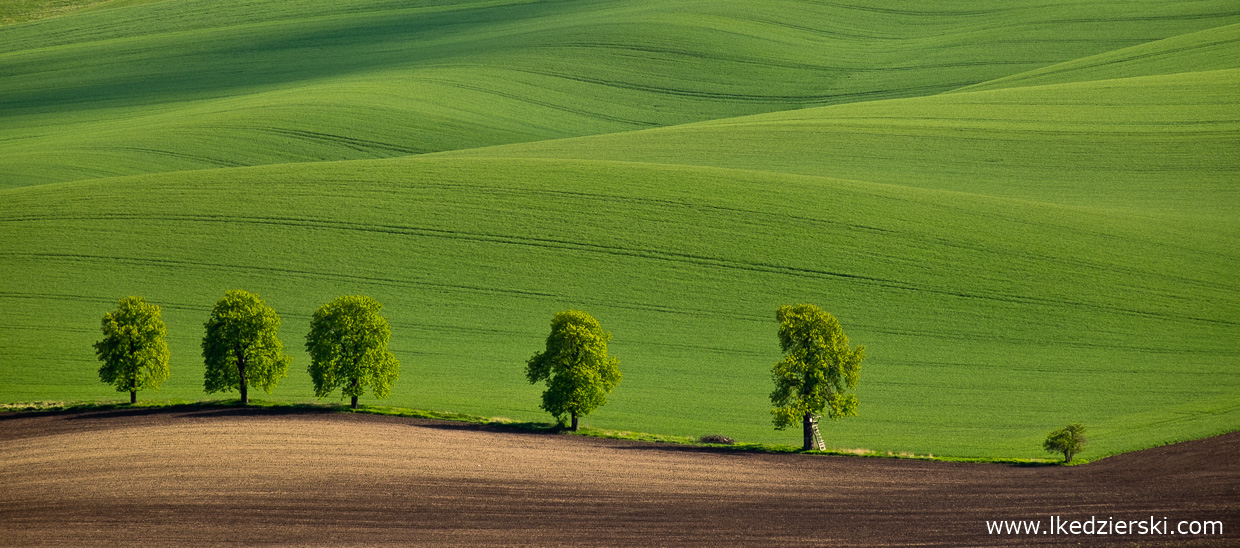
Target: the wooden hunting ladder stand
pixel 813 426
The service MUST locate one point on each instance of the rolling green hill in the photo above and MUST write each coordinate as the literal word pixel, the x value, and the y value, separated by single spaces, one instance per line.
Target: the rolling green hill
pixel 182 84
pixel 987 318
pixel 1027 213
pixel 1156 145
pixel 1207 50
pixel 18 11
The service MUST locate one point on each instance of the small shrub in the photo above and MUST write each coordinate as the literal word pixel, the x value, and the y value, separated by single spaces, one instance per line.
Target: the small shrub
pixel 717 439
pixel 1068 440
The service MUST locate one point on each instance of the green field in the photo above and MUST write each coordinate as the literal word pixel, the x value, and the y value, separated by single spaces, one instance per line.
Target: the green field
pixel 1027 213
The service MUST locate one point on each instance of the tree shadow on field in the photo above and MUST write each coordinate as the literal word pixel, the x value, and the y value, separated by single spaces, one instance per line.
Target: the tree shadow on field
pixel 699 449
pixel 261 411
pixel 528 428
pixel 226 410
pixel 77 414
pixel 877 460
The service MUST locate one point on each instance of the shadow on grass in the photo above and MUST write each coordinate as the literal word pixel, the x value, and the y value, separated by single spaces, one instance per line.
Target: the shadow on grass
pixel 529 428
pixel 113 410
pixel 199 411
pixel 205 409
pixel 760 449
pixel 1030 464
pixel 697 449
pixel 629 441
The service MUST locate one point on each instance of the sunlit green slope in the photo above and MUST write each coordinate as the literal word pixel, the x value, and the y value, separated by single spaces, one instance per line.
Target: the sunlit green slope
pixel 1211 49
pixel 988 319
pixel 1026 211
pixel 184 84
pixel 18 11
pixel 1161 145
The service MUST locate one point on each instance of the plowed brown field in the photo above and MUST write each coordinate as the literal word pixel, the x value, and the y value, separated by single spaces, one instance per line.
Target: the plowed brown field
pixel 258 476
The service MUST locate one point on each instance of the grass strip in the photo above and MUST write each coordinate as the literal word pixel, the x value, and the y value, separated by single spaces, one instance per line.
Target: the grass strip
pixel 60 407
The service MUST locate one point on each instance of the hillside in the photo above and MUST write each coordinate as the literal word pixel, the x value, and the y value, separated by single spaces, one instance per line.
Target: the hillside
pixel 1014 312
pixel 194 84
pixel 1207 50
pixel 1026 212
pixel 1161 145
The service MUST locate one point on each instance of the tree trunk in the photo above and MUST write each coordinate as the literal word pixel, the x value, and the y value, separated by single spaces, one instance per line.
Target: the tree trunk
pixel 245 395
pixel 133 384
pixel 807 425
pixel 239 353
pixel 574 425
pixel 355 397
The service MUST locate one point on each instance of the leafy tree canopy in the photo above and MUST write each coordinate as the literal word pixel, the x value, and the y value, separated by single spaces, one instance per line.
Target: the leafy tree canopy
pixel 241 347
pixel 134 349
pixel 347 343
pixel 818 366
pixel 575 364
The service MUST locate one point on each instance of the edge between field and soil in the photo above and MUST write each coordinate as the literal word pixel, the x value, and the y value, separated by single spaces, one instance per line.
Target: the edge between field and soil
pixel 501 424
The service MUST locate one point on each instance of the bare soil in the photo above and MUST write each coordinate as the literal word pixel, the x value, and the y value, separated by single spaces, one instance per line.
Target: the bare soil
pixel 293 477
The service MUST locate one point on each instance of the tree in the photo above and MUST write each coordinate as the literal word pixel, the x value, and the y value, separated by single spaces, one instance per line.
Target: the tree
pixel 241 346
pixel 1068 440
pixel 575 364
pixel 817 367
pixel 347 343
pixel 134 351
